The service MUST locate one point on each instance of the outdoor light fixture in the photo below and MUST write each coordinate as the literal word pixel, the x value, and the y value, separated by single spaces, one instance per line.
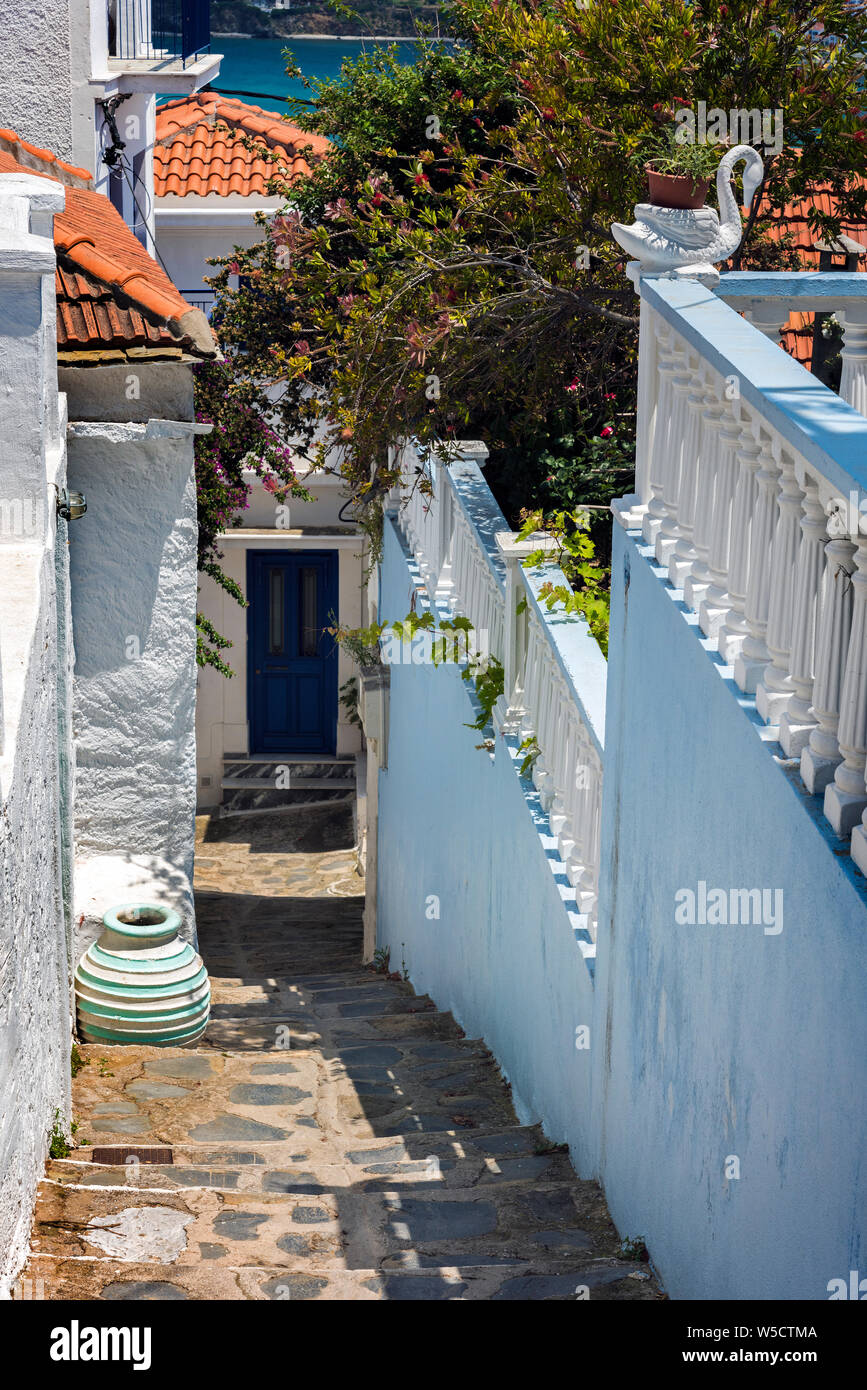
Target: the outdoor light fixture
pixel 71 505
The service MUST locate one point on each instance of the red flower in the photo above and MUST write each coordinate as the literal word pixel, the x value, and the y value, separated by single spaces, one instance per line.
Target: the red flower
pixel 457 94
pixel 604 433
pixel 573 385
pixel 421 180
pixel 548 114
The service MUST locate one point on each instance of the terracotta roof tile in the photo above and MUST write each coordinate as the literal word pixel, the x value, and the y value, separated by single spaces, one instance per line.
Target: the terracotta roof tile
pixel 110 292
pixel 797 336
pixel 198 152
pixel 37 161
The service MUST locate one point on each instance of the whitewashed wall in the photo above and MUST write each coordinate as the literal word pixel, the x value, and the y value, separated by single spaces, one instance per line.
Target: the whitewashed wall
pixel 133 573
pixel 34 968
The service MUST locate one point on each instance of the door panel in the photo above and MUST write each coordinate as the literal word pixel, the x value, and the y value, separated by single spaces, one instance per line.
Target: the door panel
pixel 292 660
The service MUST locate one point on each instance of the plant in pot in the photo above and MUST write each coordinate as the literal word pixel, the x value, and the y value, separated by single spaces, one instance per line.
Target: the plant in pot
pixel 678 171
pixel 370 704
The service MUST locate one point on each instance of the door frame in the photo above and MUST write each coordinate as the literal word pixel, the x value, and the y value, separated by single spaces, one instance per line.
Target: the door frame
pixel 296 556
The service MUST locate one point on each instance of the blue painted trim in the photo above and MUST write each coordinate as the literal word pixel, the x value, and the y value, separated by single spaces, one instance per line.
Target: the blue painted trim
pixel 834 285
pixel 828 432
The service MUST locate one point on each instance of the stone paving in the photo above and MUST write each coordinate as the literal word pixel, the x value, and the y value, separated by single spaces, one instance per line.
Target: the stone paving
pixel 333 1136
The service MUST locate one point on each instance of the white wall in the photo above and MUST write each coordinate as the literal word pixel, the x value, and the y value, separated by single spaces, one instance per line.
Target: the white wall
pixel 191 230
pixel 34 966
pixel 133 574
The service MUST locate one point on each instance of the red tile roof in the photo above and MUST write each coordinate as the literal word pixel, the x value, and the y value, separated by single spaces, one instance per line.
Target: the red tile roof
pixel 200 147
pixel 111 295
pixel 797 336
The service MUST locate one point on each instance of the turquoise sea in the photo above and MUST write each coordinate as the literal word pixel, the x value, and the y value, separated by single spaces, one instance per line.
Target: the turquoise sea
pixel 258 66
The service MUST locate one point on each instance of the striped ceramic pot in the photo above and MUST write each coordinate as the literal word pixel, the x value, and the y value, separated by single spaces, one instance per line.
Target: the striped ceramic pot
pixel 139 983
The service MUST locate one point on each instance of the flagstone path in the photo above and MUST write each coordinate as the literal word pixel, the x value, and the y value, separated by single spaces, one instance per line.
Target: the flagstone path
pixel 333 1137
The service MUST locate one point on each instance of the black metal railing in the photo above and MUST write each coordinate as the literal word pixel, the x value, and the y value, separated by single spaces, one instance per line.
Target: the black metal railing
pixel 158 29
pixel 201 299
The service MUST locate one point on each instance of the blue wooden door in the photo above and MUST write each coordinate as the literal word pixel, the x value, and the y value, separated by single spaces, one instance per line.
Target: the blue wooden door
pixel 292 660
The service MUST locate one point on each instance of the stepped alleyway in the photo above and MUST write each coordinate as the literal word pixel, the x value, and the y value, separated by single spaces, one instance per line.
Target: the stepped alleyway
pixel 332 1137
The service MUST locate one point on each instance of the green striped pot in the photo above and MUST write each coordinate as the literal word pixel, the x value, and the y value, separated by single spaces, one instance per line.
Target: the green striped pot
pixel 139 983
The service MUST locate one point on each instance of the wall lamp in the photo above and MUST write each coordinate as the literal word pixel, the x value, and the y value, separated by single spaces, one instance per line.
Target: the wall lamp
pixel 71 505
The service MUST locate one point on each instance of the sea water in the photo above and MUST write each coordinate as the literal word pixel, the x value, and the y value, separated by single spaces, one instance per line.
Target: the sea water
pixel 258 65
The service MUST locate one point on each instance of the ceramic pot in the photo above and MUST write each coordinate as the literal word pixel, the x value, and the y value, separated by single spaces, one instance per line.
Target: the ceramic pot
pixel 139 983
pixel 676 190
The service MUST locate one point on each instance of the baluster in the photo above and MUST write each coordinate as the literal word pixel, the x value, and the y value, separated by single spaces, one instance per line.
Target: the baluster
pixel 797 721
pixel 846 796
pixel 698 581
pixel 655 514
pixel 754 655
pixel 734 631
pixel 853 377
pixel 775 687
pixel 683 556
pixel 669 532
pixel 716 602
pixel 821 758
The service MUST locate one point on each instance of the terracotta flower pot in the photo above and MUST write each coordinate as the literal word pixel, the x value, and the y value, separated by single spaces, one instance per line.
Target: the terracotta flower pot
pixel 676 190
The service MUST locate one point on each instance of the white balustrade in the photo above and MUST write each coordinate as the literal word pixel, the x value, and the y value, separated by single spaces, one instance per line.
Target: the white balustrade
pixel 754 656
pixel 471 565
pixel 821 757
pixel 774 689
pixel 748 456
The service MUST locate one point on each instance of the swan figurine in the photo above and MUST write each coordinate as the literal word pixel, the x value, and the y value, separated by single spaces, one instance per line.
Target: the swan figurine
pixel 680 242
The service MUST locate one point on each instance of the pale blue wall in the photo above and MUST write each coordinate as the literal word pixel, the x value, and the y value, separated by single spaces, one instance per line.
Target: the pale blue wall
pixel 722 1040
pixel 706 1041
pixel 460 824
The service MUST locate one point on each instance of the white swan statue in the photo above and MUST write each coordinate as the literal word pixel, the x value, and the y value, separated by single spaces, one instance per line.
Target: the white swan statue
pixel 677 242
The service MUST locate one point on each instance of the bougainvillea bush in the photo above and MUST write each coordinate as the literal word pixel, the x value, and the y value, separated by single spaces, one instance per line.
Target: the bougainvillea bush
pixel 240 439
pixel 449 270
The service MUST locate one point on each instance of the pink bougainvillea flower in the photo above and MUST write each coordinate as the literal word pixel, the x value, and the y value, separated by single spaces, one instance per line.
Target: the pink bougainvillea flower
pixel 573 385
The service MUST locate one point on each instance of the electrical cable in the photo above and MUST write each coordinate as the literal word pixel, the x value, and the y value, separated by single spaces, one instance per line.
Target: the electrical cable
pixel 263 96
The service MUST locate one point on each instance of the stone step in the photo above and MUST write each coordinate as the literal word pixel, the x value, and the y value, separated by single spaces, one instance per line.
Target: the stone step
pixel 448 1159
pixel 319 761
pixel 596 1281
pixel 552 1225
pixel 366 1091
pixel 300 783
pixel 252 798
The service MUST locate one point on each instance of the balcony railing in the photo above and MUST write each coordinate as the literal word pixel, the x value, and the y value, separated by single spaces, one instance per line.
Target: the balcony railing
pixel 159 30
pixel 751 494
pixel 201 299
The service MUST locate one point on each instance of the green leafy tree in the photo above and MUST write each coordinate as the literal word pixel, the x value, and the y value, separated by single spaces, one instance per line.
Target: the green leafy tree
pixel 449 269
